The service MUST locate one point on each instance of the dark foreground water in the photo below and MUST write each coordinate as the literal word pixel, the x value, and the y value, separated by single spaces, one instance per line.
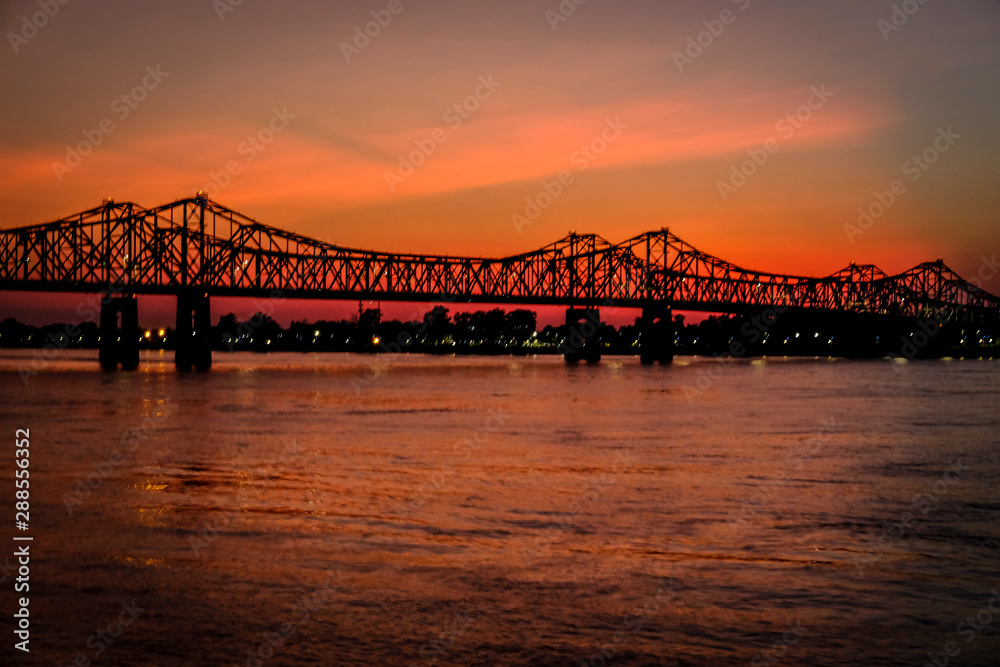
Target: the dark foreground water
pixel 327 510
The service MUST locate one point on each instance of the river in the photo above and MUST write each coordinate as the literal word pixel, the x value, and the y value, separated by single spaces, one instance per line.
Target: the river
pixel 297 509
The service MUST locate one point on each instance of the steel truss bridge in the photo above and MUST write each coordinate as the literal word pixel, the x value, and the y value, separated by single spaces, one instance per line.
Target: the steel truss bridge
pixel 196 246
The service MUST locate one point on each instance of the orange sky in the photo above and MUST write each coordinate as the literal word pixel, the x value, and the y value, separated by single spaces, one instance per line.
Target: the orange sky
pixel 676 134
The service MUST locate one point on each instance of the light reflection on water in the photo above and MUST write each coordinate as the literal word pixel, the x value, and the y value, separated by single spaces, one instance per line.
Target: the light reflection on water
pixel 442 510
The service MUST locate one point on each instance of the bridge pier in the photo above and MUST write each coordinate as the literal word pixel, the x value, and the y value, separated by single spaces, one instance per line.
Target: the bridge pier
pixel 657 330
pixel 193 334
pixel 119 333
pixel 583 342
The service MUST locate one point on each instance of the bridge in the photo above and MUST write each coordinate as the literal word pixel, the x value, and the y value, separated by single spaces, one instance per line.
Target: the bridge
pixel 196 248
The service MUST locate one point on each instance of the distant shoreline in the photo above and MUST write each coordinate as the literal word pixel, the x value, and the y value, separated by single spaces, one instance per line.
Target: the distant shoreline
pixel 499 333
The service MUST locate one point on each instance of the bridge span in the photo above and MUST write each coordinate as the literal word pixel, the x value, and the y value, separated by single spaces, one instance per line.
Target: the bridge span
pixel 196 248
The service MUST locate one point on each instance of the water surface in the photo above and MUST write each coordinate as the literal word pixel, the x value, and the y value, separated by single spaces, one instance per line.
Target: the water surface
pixel 293 509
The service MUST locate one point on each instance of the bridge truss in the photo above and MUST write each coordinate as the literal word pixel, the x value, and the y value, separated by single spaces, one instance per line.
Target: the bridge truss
pixel 198 245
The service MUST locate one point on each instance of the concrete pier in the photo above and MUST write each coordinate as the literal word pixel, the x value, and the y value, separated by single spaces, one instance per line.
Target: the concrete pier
pixel 583 342
pixel 193 335
pixel 119 337
pixel 657 334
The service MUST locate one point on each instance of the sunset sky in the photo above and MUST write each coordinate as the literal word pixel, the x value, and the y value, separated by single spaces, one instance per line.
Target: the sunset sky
pixel 648 122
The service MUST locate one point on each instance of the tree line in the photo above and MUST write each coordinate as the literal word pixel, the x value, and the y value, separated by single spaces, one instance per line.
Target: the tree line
pixel 771 332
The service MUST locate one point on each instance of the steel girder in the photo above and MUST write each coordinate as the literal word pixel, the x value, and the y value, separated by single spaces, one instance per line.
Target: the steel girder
pixel 197 244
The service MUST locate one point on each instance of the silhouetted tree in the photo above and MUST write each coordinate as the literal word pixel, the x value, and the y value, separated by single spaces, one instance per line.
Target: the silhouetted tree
pixel 437 325
pixel 228 323
pixel 369 320
pixel 520 325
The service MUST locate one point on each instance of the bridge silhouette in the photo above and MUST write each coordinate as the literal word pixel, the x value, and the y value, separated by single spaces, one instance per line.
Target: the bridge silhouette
pixel 196 248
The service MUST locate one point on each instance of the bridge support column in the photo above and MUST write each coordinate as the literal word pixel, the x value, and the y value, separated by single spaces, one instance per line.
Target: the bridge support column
pixel 193 334
pixel 657 331
pixel 119 333
pixel 583 340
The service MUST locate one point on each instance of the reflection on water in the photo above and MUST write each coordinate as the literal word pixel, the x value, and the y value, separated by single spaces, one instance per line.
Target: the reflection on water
pixel 332 509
